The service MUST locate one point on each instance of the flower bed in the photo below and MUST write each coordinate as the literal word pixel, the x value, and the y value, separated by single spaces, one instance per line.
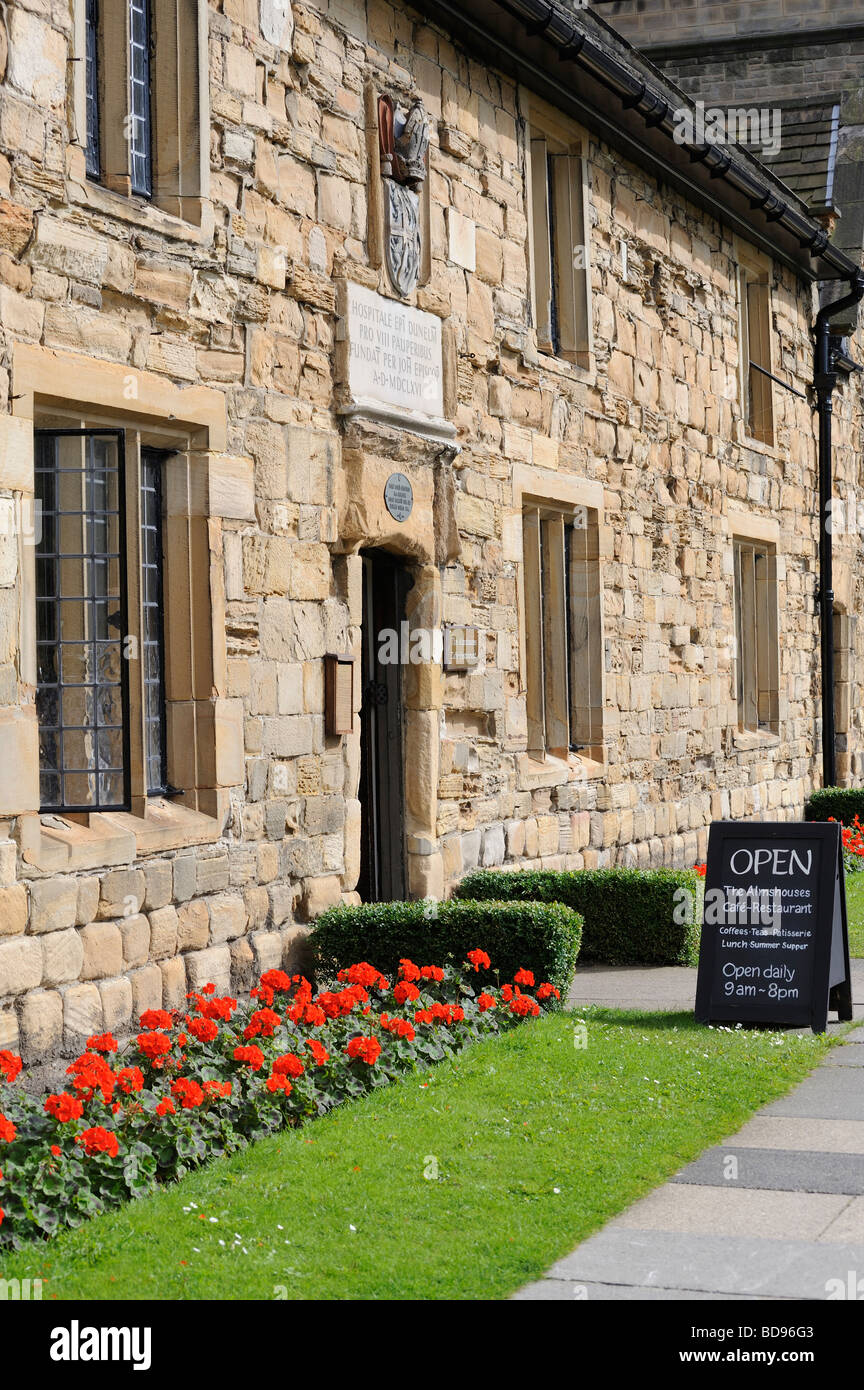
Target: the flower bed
pixel 202 1083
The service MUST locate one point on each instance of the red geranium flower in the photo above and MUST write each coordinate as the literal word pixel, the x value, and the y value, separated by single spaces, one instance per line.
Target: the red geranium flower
pixel 362 974
pixel 524 977
pixel 56 1150
pixel 91 1073
pixel 204 1029
pixel 64 1107
pixel 130 1079
pixel 523 1006
pixel 405 991
pixel 166 1107
pixel 288 1064
pixel 365 1050
pixel 188 1092
pixel 252 1055
pixel 545 990
pixel 219 1008
pixel 10 1065
pixel 319 1052
pixel 103 1042
pixel 400 1026
pixel 7 1130
pixel 408 970
pixel 155 1018
pixel 155 1047
pixel 264 1021
pixel 278 1082
pixel 98 1141
pixel 479 960
pixel 217 1089
pixel 432 972
pixel 485 1001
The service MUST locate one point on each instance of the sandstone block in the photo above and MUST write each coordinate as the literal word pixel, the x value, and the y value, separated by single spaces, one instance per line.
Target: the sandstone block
pixel 62 957
pixel 163 933
pixel 212 966
pixel 121 894
pixel 53 904
pixel 135 935
pixel 228 918
pixel 146 990
pixel 82 1013
pixel 116 996
pixel 173 982
pixel 103 950
pixel 41 1023
pixel 193 926
pixel 13 910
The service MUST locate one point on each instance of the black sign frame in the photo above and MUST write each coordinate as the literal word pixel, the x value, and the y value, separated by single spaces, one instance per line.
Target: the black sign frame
pixel 830 939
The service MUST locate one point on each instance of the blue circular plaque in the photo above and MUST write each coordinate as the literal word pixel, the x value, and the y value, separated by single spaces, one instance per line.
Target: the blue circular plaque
pixel 398 496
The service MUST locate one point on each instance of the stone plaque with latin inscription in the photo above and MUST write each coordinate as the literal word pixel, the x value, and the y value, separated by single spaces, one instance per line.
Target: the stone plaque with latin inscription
pixel 394 363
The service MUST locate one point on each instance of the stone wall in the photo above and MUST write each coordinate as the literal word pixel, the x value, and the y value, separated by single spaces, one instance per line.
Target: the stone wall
pixel 245 307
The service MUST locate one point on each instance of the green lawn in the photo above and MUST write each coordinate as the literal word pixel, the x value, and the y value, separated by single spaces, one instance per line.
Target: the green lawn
pixel 537 1143
pixel 855 912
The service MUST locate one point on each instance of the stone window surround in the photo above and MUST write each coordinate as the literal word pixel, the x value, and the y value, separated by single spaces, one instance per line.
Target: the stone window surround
pixel 566 490
pixel 748 526
pixel 220 487
pixel 538 114
pixel 180 81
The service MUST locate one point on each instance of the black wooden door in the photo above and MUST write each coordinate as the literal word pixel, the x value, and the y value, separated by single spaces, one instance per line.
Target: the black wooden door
pixel 382 872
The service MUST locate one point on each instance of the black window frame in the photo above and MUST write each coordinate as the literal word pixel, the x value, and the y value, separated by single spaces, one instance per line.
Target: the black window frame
pixel 119 435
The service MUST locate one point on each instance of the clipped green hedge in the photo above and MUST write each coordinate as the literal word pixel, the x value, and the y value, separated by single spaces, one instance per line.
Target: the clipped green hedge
pixel 836 803
pixel 543 937
pixel 629 914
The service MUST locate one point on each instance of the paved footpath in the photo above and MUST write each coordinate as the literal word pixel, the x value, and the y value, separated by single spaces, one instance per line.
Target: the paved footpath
pixel 792 1220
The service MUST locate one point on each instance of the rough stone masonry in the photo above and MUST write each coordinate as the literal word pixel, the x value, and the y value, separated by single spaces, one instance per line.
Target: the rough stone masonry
pixel 221 316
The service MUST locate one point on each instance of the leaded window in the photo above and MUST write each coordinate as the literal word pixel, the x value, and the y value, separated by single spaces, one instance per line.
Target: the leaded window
pixel 91 60
pixel 81 622
pixel 152 621
pixel 140 141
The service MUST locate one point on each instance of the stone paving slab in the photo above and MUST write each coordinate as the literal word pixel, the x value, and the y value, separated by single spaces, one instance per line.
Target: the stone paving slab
pixel 848 1227
pixel 710 1264
pixel 564 1290
pixel 670 988
pixel 780 1170
pixel 830 1093
pixel 796 1132
pixel 736 1211
pixel 849 1055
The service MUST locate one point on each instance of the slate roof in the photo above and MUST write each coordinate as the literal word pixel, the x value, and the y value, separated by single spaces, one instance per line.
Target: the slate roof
pixel 808 148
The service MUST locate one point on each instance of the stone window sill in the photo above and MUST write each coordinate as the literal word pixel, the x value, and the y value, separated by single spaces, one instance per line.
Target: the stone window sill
pixel 748 739
pixel 54 844
pixel 143 213
pixel 533 773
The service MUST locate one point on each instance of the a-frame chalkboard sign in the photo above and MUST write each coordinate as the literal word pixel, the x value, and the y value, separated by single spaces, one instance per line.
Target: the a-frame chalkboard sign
pixel 775 944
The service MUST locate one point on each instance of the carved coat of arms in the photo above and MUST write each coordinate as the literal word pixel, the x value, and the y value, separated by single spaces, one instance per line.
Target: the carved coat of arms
pixel 404 140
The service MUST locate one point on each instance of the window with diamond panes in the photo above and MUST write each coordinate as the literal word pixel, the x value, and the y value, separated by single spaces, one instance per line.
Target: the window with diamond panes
pixel 82 677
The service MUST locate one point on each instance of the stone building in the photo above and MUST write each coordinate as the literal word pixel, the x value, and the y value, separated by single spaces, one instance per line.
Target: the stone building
pixel 345 333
